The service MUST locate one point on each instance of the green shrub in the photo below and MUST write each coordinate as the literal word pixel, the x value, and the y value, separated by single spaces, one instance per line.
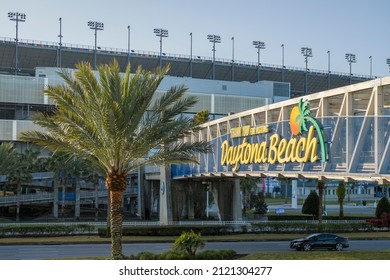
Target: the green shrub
pixel 383 206
pixel 188 243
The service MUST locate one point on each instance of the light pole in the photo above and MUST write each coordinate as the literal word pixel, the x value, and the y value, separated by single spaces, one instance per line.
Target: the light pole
pixel 95 25
pixel 282 46
pixel 307 52
pixel 214 39
pixel 388 62
pixel 128 44
pixel 232 58
pixel 191 54
pixel 351 58
pixel 370 57
pixel 328 69
pixel 258 45
pixel 16 16
pixel 59 45
pixel 160 33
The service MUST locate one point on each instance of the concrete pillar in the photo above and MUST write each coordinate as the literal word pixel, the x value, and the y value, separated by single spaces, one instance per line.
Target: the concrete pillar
pixel 294 194
pixel 165 195
pixel 141 203
pixel 236 207
pixel 190 203
pixel 55 199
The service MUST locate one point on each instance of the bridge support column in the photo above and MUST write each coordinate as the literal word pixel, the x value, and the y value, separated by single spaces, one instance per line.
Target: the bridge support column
pixel 237 213
pixel 141 197
pixel 55 200
pixel 165 195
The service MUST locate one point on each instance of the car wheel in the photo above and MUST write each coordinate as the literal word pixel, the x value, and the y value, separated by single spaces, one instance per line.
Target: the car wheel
pixel 339 247
pixel 307 247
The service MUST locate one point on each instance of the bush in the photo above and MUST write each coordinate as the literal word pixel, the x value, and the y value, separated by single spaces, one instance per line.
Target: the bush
pixel 311 204
pixel 45 230
pixel 383 206
pixel 188 243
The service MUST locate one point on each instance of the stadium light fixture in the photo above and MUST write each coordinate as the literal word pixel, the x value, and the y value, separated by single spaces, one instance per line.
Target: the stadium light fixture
pixel 232 58
pixel 160 33
pixel 370 57
pixel 215 39
pixel 95 25
pixel 306 52
pixel 17 17
pixel 328 52
pixel 388 62
pixel 282 46
pixel 351 58
pixel 191 54
pixel 59 44
pixel 258 45
pixel 128 44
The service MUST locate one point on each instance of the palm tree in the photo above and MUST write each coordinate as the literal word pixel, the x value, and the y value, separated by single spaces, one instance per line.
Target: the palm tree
pixel 8 157
pixel 118 125
pixel 340 191
pixel 21 173
pixel 303 117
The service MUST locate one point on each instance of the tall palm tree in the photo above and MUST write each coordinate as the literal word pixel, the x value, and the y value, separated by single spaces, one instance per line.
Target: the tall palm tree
pixel 117 123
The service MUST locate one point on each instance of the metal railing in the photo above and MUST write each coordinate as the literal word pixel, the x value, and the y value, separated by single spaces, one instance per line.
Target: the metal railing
pixel 108 50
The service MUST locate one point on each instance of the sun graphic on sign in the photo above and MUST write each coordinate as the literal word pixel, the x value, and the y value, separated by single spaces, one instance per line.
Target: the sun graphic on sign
pixel 299 117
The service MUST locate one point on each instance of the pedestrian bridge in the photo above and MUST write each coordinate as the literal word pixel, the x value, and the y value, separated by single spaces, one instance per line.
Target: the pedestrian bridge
pixel 341 134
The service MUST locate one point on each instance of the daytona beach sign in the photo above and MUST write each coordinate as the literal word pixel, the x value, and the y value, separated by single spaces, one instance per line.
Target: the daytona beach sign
pixel 298 148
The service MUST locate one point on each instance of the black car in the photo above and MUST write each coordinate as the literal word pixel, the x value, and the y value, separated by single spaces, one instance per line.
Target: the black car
pixel 320 241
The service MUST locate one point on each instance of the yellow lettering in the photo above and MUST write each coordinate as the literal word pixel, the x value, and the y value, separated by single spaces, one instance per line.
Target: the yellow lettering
pixel 273 151
pixel 290 150
pixel 311 146
pixel 281 150
pixel 299 149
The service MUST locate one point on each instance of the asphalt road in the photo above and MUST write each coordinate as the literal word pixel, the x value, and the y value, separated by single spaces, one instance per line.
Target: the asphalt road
pixel 44 252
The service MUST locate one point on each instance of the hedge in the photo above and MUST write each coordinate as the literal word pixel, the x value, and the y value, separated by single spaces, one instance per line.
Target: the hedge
pixel 45 230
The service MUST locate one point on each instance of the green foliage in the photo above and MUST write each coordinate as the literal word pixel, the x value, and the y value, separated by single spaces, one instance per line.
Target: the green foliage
pixel 258 202
pixel 311 204
pixel 8 156
pixel 188 243
pixel 340 191
pixel 170 255
pixel 383 206
pixel 304 227
pixel 201 117
pixel 45 230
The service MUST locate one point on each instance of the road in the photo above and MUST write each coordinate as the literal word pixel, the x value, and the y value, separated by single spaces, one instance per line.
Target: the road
pixel 44 252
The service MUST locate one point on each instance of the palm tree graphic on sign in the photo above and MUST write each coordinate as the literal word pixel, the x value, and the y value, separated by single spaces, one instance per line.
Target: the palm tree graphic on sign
pixel 299 117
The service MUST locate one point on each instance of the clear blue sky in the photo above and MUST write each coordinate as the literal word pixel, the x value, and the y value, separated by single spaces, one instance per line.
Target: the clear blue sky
pixel 360 27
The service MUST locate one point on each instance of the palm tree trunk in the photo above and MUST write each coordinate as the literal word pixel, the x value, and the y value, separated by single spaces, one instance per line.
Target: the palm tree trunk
pixel 116 223
pixel 18 191
pixel 116 185
pixel 341 212
pixel 320 187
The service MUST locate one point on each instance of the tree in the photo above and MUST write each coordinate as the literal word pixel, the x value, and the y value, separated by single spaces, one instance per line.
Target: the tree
pixel 247 185
pixel 8 157
pixel 201 117
pixel 115 123
pixel 383 206
pixel 311 204
pixel 340 191
pixel 321 188
pixel 258 202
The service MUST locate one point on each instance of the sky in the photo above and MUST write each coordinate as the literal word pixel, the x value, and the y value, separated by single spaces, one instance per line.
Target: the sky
pixel 359 27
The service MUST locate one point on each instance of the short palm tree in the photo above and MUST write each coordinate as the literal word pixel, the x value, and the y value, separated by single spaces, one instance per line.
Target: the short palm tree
pixel 117 123
pixel 8 157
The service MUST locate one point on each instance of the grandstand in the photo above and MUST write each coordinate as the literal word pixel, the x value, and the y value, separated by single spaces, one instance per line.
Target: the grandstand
pixel 34 54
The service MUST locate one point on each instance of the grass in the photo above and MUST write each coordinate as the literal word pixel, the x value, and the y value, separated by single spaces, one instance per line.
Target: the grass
pixel 320 255
pixel 210 238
